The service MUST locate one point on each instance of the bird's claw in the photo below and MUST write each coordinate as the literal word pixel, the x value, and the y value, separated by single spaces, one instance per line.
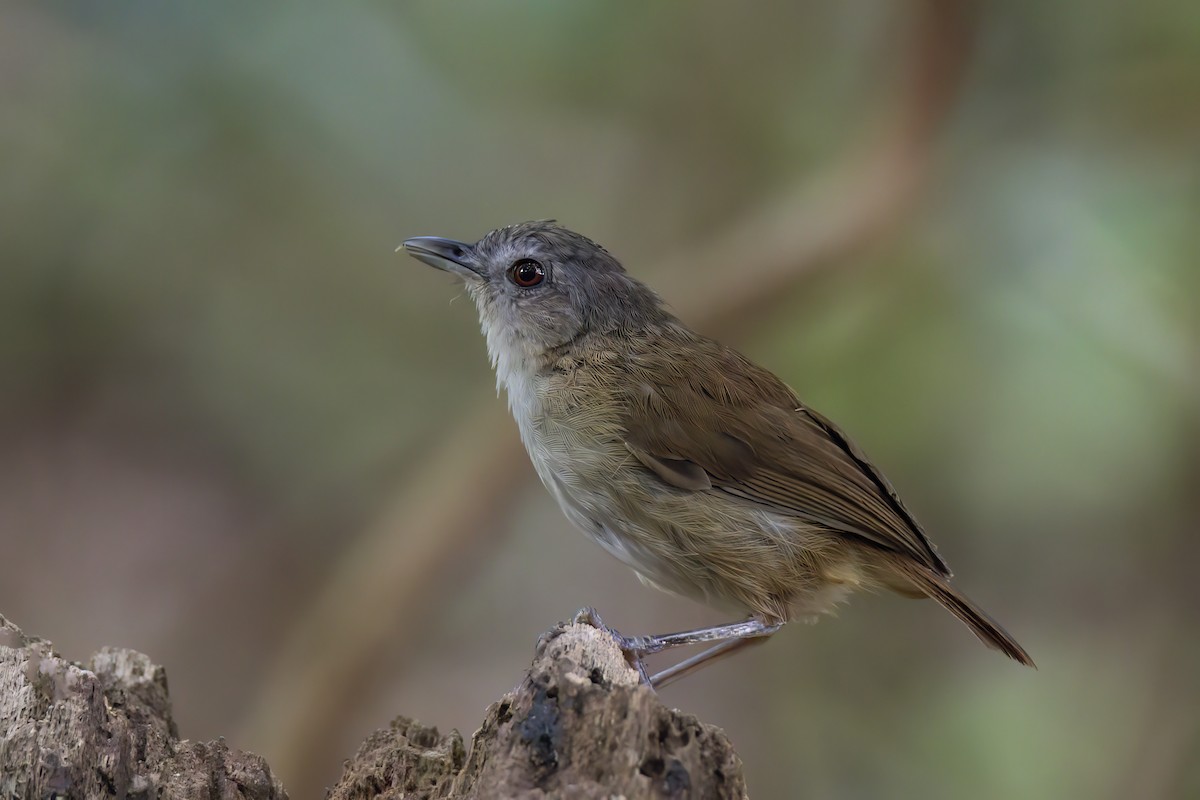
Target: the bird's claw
pixel 630 646
pixel 590 616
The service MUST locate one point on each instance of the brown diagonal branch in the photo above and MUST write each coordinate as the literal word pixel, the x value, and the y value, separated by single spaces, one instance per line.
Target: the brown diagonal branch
pixel 414 542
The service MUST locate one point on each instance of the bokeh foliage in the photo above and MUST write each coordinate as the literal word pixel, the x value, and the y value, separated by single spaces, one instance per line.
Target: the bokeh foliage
pixel 215 368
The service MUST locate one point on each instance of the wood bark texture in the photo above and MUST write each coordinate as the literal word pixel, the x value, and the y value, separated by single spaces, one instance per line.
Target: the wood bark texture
pixel 104 729
pixel 578 726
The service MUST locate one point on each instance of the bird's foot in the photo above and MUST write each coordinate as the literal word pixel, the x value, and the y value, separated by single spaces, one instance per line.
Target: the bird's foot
pixel 590 616
pixel 633 647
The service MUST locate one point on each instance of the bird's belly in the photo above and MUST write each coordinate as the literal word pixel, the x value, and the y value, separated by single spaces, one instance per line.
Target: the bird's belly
pixel 573 475
pixel 708 546
pixel 585 475
pixel 624 537
pixel 607 495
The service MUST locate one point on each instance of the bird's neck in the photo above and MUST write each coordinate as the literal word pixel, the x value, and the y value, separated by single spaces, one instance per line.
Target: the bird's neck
pixel 518 368
pixel 523 369
pixel 525 372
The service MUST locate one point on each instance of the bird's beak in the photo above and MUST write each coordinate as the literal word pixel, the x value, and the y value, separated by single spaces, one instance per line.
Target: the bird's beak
pixel 445 254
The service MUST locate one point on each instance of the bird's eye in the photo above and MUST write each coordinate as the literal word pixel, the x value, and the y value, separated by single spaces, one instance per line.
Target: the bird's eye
pixel 527 273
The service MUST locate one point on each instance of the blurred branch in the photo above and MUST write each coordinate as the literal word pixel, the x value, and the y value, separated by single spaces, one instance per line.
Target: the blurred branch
pixel 378 596
pixel 858 201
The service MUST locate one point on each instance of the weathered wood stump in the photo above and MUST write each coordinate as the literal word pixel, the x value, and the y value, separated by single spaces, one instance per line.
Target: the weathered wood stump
pixel 104 729
pixel 578 726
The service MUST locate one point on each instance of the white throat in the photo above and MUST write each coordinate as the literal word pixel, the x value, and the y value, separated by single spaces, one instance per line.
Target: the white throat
pixel 516 374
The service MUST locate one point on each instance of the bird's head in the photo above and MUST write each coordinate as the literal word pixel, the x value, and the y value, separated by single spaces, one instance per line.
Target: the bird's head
pixel 539 286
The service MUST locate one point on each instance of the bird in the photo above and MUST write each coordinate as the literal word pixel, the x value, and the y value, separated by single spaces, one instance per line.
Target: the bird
pixel 692 465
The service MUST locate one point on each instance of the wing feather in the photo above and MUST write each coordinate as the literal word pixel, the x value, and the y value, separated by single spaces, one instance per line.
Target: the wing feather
pixel 739 430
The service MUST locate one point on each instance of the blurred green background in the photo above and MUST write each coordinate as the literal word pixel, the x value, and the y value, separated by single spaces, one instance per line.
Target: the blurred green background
pixel 218 378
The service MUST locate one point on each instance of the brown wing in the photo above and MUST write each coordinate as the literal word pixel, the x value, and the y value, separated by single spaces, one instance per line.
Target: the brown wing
pixel 736 428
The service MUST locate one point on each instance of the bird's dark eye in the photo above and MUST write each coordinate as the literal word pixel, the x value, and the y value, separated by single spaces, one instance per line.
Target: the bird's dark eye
pixel 527 273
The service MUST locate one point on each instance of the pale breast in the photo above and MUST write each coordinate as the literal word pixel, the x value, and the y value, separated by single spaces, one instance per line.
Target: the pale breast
pixel 571 428
pixel 719 549
pixel 573 437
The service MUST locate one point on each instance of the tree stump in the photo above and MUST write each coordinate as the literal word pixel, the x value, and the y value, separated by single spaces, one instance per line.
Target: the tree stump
pixel 577 726
pixel 104 729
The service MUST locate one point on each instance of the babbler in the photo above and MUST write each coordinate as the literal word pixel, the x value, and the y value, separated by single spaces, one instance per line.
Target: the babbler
pixel 698 469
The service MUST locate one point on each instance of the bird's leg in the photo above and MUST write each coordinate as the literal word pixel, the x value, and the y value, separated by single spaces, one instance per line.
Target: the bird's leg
pixel 635 647
pixel 690 665
pixel 746 629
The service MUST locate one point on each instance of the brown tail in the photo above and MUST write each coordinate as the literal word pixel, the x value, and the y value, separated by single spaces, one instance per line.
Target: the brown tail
pixel 983 626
